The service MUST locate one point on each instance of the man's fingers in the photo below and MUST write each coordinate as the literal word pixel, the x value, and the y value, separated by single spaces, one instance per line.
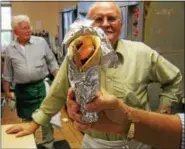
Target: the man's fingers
pixel 71 94
pixel 77 117
pixel 98 94
pixel 7 130
pixel 103 101
pixel 72 109
pixel 95 104
pixel 71 99
pixel 91 107
pixel 14 129
pixel 72 105
pixel 23 133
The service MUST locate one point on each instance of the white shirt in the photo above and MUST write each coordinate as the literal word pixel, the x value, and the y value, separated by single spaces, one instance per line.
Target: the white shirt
pixel 23 49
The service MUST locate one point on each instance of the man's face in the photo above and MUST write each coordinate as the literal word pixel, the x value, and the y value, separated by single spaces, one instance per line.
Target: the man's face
pixel 107 17
pixel 23 31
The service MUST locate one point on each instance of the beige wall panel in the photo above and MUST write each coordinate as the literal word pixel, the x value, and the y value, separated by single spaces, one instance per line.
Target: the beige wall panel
pixel 43 15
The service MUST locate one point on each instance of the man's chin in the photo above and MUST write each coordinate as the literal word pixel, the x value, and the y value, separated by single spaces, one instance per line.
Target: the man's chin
pixel 28 38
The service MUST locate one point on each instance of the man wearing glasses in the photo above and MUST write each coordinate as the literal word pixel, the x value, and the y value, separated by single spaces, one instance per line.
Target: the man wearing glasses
pixel 138 66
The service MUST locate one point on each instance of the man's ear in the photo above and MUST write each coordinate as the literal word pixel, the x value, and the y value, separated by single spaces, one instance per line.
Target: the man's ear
pixel 15 32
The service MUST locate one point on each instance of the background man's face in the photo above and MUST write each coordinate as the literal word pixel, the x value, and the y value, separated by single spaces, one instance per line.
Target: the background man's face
pixel 107 17
pixel 23 31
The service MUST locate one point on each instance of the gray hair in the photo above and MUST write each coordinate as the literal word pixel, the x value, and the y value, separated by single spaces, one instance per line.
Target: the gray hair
pixel 18 19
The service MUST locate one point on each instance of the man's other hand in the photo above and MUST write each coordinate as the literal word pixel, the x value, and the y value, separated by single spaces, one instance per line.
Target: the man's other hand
pixel 23 129
pixel 8 96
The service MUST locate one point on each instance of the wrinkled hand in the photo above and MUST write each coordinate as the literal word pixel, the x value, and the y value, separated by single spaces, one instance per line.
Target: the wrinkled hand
pixel 23 129
pixel 103 101
pixel 110 105
pixel 111 114
pixel 103 124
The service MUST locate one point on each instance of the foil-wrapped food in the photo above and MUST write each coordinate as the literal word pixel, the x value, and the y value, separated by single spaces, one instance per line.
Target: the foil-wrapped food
pixel 87 49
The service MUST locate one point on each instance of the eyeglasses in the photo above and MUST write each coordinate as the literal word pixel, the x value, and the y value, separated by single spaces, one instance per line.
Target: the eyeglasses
pixel 109 19
pixel 25 28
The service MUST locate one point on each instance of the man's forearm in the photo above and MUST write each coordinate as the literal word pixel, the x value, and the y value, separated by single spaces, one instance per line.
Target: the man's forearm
pixel 158 130
pixel 170 93
pixel 6 86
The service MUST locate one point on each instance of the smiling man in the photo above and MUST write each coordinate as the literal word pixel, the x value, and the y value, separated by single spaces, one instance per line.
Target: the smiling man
pixel 108 17
pixel 139 65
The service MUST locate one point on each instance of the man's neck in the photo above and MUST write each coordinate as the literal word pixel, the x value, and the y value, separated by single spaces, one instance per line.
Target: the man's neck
pixel 22 42
pixel 115 45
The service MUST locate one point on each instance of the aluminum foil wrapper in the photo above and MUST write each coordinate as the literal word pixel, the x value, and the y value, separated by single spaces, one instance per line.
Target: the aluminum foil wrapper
pixel 86 83
pixel 83 27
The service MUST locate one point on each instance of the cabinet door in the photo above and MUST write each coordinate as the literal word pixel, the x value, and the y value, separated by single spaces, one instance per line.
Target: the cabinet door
pixel 67 17
pixel 83 8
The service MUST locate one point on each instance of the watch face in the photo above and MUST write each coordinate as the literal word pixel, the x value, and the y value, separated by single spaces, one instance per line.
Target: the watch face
pixel 131 131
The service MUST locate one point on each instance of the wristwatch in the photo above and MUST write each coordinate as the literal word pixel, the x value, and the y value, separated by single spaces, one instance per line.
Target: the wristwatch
pixel 130 134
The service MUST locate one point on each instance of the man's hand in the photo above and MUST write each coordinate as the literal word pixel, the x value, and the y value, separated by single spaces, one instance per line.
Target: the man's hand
pixel 10 100
pixel 103 101
pixel 104 124
pixel 8 96
pixel 164 109
pixel 111 116
pixel 23 129
pixel 73 111
pixel 114 108
pixel 72 105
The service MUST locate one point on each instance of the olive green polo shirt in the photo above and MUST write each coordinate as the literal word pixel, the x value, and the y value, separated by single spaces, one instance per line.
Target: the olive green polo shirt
pixel 139 66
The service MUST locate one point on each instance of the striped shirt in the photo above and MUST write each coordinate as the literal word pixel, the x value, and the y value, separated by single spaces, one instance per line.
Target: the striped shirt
pixel 181 115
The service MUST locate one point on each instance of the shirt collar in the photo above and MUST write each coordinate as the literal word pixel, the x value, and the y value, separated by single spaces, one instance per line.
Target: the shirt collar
pixel 14 42
pixel 31 40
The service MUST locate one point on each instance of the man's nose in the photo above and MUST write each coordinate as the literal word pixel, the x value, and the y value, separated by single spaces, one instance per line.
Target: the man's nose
pixel 105 22
pixel 28 31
